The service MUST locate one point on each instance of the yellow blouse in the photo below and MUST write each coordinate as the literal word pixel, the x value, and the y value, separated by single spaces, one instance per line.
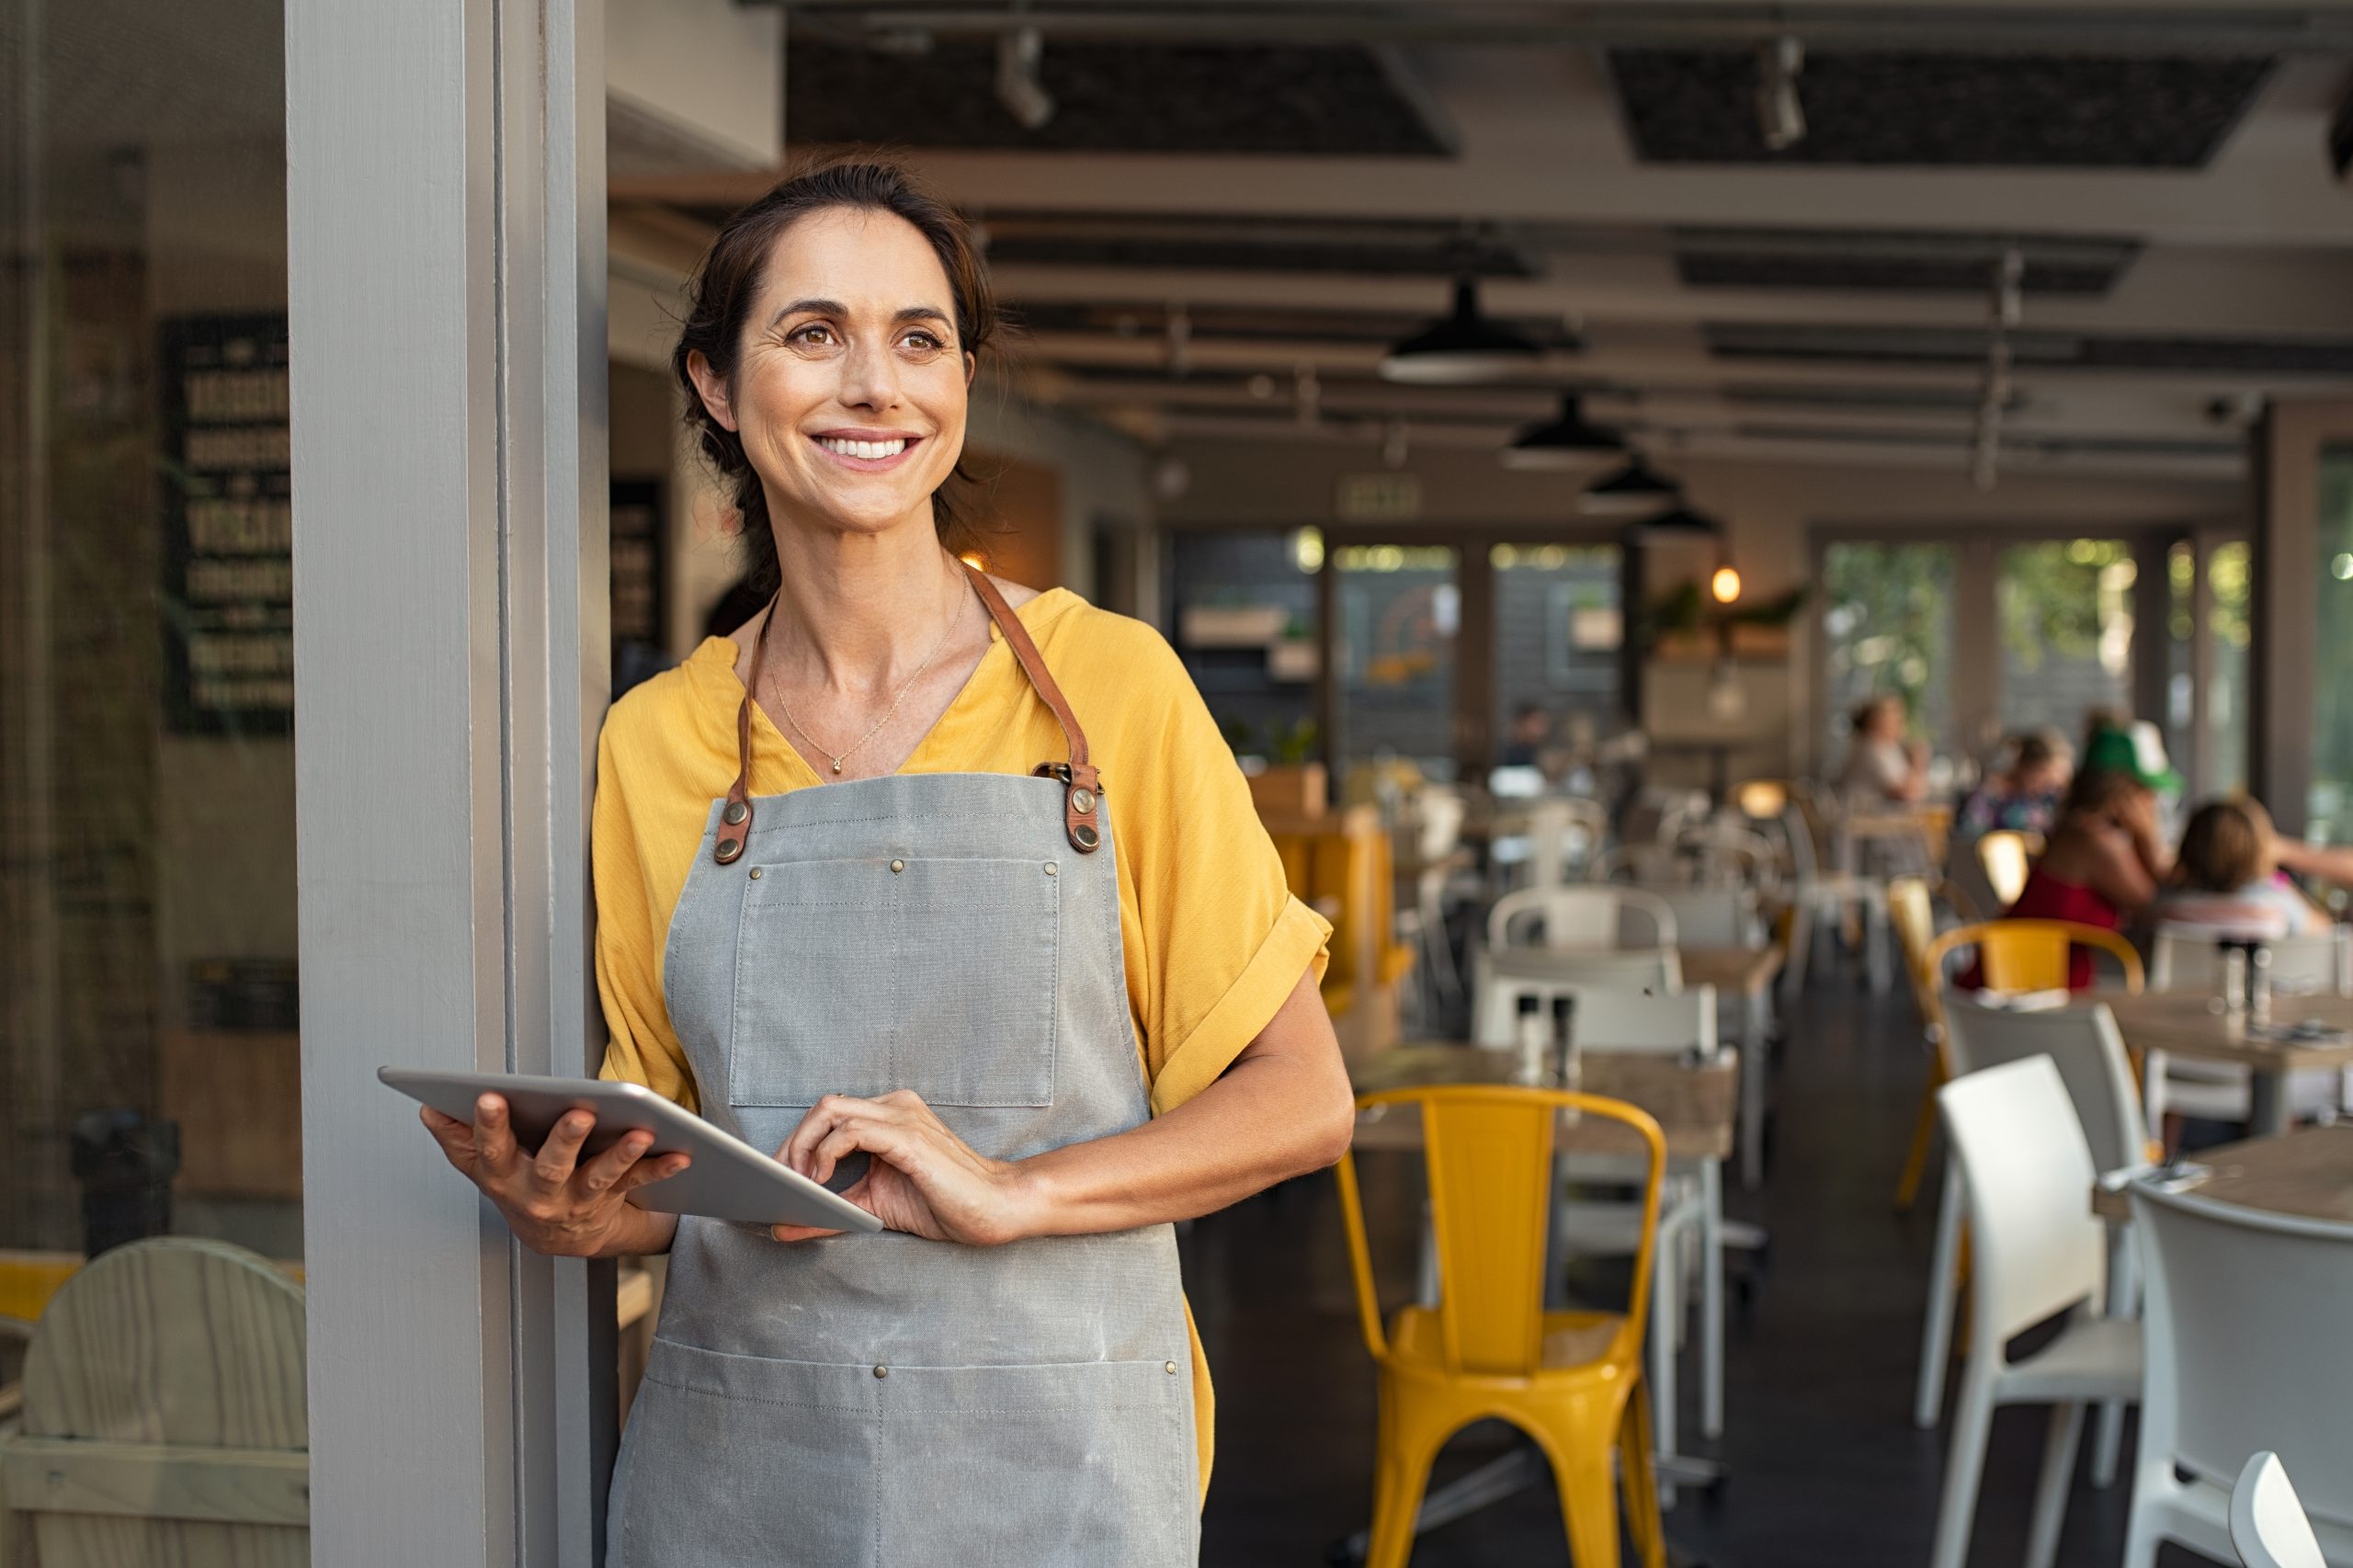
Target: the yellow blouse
pixel 1213 940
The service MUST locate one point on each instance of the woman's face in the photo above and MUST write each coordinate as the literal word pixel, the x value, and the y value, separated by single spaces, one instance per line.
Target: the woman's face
pixel 849 385
pixel 1885 722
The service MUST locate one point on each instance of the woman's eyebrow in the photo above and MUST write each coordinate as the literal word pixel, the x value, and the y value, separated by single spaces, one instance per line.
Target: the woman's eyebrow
pixel 836 308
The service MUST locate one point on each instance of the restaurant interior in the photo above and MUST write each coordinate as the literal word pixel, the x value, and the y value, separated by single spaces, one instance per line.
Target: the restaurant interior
pixel 1773 566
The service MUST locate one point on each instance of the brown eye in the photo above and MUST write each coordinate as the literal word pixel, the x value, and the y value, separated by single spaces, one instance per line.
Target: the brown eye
pixel 817 335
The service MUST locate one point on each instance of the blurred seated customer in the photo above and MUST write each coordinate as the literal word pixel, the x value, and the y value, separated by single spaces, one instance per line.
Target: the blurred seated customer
pixel 1882 767
pixel 2228 875
pixel 1525 740
pixel 2024 797
pixel 2103 861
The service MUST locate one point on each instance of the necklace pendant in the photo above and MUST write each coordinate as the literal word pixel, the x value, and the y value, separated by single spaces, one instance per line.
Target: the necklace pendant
pixel 838 765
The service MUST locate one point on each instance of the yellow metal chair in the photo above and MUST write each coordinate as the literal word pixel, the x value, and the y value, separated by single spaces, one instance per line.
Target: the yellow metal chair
pixel 1572 1381
pixel 2012 955
pixel 2005 855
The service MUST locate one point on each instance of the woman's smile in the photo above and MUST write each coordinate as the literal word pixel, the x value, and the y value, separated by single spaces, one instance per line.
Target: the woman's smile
pixel 868 452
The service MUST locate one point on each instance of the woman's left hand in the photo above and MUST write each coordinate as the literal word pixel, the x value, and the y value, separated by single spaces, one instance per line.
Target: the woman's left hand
pixel 924 1179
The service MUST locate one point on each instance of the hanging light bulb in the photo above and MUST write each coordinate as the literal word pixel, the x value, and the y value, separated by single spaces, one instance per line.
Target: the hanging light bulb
pixel 1565 442
pixel 1724 584
pixel 1633 490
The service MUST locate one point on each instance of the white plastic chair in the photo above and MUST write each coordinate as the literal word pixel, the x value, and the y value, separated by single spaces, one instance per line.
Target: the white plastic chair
pixel 1817 894
pixel 2037 1251
pixel 2083 1042
pixel 2267 1521
pixel 2184 957
pixel 2246 1354
pixel 1692 1211
pixel 1585 917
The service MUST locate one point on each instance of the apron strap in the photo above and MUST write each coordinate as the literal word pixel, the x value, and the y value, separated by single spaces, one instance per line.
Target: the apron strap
pixel 1082 789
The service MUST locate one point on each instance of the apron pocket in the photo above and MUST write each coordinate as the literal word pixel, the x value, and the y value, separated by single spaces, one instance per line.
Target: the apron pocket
pixel 939 977
pixel 1081 1465
pixel 736 1461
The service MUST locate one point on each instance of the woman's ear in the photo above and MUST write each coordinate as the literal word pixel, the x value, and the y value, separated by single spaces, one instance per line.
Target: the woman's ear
pixel 711 387
pixel 972 368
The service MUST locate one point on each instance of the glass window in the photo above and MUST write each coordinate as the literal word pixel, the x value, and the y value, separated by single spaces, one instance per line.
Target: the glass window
pixel 1399 611
pixel 146 684
pixel 1887 627
pixel 1244 617
pixel 2331 802
pixel 2067 625
pixel 1558 630
pixel 2229 622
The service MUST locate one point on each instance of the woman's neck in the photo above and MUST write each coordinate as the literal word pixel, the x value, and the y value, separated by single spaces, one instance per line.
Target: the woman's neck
pixel 859 610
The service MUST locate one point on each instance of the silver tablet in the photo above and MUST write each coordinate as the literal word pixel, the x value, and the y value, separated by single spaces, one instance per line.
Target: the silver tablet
pixel 728 1180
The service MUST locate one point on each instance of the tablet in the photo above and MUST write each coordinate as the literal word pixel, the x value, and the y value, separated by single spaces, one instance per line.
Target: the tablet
pixel 728 1180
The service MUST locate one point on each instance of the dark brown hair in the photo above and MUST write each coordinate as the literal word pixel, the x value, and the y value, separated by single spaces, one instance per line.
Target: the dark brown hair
pixel 719 304
pixel 2226 845
pixel 2097 789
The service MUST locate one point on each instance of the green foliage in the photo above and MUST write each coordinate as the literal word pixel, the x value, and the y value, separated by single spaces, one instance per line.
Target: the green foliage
pixel 1889 613
pixel 2055 595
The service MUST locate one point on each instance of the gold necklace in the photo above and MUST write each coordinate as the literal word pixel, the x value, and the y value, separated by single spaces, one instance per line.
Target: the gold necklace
pixel 955 615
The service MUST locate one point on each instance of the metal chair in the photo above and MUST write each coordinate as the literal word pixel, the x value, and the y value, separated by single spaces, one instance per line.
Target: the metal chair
pixel 1488 1348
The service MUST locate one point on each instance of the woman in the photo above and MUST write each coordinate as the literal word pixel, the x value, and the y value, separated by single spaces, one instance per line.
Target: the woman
pixel 906 933
pixel 2102 863
pixel 1881 767
pixel 2228 875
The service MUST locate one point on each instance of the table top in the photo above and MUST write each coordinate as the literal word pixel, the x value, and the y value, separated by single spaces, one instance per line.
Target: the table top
pixel 1748 970
pixel 1695 1105
pixel 2307 1173
pixel 2181 1023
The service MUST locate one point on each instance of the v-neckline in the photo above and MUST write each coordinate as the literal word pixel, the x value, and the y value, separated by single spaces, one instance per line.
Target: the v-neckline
pixel 764 720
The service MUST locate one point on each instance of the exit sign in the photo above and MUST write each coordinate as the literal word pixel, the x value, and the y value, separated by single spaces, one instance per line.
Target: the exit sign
pixel 1378 497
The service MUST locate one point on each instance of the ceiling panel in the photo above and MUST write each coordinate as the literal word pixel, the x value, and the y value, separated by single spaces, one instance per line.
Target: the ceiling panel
pixel 1247 243
pixel 1906 262
pixel 2030 349
pixel 1988 110
pixel 1109 97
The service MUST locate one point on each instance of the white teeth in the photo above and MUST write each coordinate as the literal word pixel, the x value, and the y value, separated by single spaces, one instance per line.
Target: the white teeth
pixel 864 448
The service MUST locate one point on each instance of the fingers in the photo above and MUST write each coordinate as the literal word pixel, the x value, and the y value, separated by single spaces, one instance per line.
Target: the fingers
pixel 644 1170
pixel 552 1166
pixel 614 1163
pixel 800 1232
pixel 456 1138
pixel 493 1139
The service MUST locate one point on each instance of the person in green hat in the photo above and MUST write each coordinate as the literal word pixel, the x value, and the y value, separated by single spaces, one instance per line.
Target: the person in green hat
pixel 2105 860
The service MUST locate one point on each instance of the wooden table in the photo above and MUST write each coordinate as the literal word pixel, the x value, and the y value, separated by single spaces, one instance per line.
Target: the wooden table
pixel 1749 973
pixel 2307 1173
pixel 2180 1023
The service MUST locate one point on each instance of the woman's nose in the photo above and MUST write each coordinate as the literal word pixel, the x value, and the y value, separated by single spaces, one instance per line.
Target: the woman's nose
pixel 870 376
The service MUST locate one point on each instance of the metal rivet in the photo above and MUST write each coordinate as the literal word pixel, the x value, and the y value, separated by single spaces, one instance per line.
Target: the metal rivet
pixel 881 1371
pixel 1086 837
pixel 1053 870
pixel 1084 800
pixel 1169 1368
pixel 729 848
pixel 898 864
pixel 756 873
pixel 736 812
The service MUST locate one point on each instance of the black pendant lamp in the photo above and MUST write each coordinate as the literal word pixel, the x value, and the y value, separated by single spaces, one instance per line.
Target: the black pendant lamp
pixel 1566 442
pixel 1678 525
pixel 1631 491
pixel 1464 347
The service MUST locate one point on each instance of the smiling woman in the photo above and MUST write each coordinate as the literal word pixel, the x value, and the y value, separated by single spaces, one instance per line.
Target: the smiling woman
pixel 859 901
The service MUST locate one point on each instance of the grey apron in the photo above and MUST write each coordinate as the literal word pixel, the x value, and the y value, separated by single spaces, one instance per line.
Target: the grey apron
pixel 874 1402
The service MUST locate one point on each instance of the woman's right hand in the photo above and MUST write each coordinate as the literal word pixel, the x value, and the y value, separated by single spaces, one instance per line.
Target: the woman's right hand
pixel 556 1203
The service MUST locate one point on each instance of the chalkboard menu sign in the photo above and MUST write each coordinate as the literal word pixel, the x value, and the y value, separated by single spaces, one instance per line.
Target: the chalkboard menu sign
pixel 228 527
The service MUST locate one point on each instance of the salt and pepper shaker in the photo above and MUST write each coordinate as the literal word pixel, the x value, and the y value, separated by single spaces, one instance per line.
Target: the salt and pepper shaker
pixel 2233 979
pixel 2258 984
pixel 1531 1042
pixel 1567 1066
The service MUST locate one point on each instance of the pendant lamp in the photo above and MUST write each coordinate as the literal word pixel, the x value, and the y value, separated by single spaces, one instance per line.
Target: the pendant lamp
pixel 1633 490
pixel 1463 347
pixel 1678 525
pixel 1565 442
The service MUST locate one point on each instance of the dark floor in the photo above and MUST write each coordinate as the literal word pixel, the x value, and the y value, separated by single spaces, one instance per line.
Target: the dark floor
pixel 1826 1466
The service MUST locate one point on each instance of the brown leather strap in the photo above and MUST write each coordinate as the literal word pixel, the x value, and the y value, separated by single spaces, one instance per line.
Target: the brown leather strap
pixel 736 816
pixel 1082 789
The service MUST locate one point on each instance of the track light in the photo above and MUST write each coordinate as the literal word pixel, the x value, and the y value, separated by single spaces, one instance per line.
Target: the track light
pixel 1017 87
pixel 1565 442
pixel 1463 347
pixel 1780 118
